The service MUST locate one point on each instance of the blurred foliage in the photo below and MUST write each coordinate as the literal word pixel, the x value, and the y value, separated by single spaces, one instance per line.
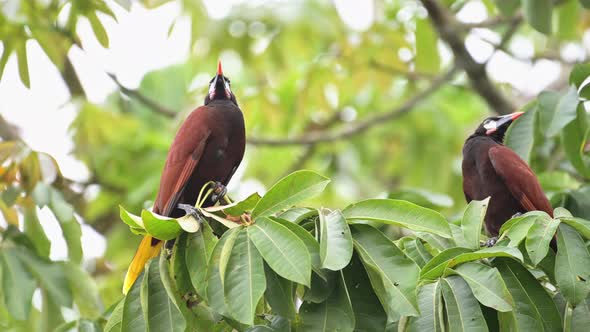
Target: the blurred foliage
pixel 298 69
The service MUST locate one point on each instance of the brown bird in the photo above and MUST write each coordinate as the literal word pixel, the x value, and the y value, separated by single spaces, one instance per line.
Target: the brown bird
pixel 490 169
pixel 209 146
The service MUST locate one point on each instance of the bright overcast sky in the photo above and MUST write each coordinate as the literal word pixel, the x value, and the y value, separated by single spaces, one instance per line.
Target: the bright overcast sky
pixel 139 43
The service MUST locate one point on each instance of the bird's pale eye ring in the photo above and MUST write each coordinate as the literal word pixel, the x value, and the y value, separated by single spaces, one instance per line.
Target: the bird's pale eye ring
pixel 489 124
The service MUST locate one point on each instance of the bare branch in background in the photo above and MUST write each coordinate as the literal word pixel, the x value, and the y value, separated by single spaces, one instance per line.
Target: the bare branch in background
pixel 450 31
pixel 410 75
pixel 494 21
pixel 360 126
pixel 135 94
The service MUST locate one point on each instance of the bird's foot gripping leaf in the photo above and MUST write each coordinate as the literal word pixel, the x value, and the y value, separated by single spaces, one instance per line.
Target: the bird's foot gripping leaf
pixel 193 211
pixel 490 242
pixel 219 191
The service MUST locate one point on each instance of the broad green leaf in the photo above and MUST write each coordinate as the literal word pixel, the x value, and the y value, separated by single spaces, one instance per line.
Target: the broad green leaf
pixel 244 282
pixel 574 137
pixel 115 320
pixel 430 302
pixel 199 248
pixel 98 29
pixel 581 316
pixel 399 213
pixel 289 191
pixel 393 275
pixel 320 287
pixel 313 247
pixel 160 312
pixel 70 227
pixel 508 7
pixel 568 16
pixel 215 297
pixel 178 269
pixel 35 232
pixel 427 56
pixel 472 221
pixel 84 291
pixel 334 314
pixel 160 227
pixel 539 236
pixel 538 14
pixel 297 214
pixel 226 251
pixel 572 265
pixel 517 228
pixel 417 252
pixel 582 226
pixel 463 311
pixel 335 240
pixel 437 266
pixel 133 319
pixel 520 135
pixel 282 250
pixel 134 222
pixel 17 284
pixel 486 284
pixel 423 197
pixel 579 74
pixel 279 294
pixel 565 110
pixel 558 181
pixel 368 311
pixel 534 310
pixel 437 242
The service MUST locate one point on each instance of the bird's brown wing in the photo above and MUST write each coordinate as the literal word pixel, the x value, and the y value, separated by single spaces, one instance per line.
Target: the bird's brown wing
pixel 520 179
pixel 182 160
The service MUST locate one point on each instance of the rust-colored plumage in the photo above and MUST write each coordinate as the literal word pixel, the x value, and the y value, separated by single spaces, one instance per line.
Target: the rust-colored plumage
pixel 209 146
pixel 490 169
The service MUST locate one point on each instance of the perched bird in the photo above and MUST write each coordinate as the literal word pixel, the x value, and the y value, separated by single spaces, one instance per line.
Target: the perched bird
pixel 491 169
pixel 209 146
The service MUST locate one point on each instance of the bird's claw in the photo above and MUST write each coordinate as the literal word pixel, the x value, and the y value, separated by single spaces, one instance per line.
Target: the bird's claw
pixel 219 191
pixel 490 242
pixel 193 211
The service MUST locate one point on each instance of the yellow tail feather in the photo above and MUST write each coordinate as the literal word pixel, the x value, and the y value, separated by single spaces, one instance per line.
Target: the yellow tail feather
pixel 145 251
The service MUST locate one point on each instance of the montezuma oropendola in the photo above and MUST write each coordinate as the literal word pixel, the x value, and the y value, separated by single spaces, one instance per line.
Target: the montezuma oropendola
pixel 209 146
pixel 491 169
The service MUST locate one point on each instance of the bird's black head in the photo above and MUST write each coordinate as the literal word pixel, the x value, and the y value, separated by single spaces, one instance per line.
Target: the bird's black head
pixel 495 126
pixel 220 88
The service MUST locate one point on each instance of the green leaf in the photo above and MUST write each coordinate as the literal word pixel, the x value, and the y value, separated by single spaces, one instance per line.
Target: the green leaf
pixel 134 222
pixel 160 227
pixel 539 236
pixel 115 320
pixel 472 221
pixel 394 276
pixel 178 268
pixel 463 311
pixel 313 247
pixel 238 208
pixel 335 240
pixel 23 65
pixel 215 297
pixel 508 7
pixel 582 226
pixel 565 111
pixel 133 319
pixel 279 294
pixel 17 284
pixel 558 180
pixel 282 250
pixel 70 227
pixel 35 232
pixel 520 136
pixel 572 265
pixel 298 214
pixel 289 191
pixel 422 197
pixel 517 228
pixel 334 314
pixel 568 16
pixel 98 28
pixel 427 56
pixel 244 282
pixel 538 14
pixel 574 137
pixel 320 287
pixel 399 213
pixel 368 311
pixel 84 291
pixel 199 248
pixel 534 310
pixel 430 302
pixel 579 74
pixel 449 258
pixel 581 316
pixel 486 284
pixel 160 312
pixel 417 252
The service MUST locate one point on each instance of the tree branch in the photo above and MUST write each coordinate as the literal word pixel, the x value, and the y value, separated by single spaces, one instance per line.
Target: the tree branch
pixel 151 104
pixel 494 21
pixel 450 31
pixel 362 125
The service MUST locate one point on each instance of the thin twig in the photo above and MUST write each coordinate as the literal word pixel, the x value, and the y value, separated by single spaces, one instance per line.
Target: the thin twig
pixel 151 104
pixel 493 22
pixel 362 125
